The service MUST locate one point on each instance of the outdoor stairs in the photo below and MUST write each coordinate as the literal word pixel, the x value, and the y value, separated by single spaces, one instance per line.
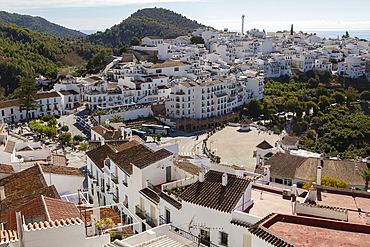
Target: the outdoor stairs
pixel 162 241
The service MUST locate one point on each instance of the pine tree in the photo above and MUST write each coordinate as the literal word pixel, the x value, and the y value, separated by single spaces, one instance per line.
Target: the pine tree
pixel 27 96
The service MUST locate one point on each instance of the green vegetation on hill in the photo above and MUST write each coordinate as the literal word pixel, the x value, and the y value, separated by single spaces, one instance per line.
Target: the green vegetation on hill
pixel 25 54
pixel 38 24
pixel 146 22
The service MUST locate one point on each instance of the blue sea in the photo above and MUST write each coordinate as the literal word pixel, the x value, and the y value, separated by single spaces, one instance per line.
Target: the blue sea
pixel 361 34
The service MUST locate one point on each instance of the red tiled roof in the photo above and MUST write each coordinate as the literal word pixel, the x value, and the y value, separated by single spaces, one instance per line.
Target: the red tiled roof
pixel 6 168
pixel 22 187
pixel 62 170
pixel 99 129
pixel 8 235
pixel 9 103
pixel 264 145
pixel 56 223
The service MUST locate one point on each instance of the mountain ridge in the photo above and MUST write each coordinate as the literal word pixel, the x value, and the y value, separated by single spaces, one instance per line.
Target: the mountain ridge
pixel 39 24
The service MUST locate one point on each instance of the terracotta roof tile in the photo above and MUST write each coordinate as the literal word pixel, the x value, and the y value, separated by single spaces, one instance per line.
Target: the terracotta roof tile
pixel 264 145
pixel 9 103
pixel 99 154
pixel 289 140
pixel 8 235
pixel 99 129
pixel 127 145
pixel 62 170
pixel 170 200
pixel 212 194
pixel 6 169
pixel 151 158
pixel 188 167
pixel 150 194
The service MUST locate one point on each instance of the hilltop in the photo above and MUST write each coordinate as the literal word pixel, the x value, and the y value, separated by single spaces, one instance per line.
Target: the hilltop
pixel 38 24
pixel 146 22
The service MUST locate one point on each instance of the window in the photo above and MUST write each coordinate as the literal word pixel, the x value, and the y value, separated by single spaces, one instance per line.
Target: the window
pixel 55 99
pixel 3 113
pixel 223 238
pixel 176 69
pixel 158 71
pixel 11 111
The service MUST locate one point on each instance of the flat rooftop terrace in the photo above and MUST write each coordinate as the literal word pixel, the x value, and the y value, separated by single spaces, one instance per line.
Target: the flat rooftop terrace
pixel 305 231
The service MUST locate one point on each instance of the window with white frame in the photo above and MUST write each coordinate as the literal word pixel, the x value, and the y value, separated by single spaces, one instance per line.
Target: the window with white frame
pixel 224 238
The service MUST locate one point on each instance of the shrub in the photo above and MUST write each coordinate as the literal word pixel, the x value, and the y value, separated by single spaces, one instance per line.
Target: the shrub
pixel 65 138
pixel 78 138
pixel 83 146
pixel 64 128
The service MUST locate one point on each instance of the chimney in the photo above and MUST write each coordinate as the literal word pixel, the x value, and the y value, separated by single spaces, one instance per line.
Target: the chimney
pixel 224 179
pixel 96 211
pixel 266 178
pixel 201 176
pixel 102 141
pixel 20 228
pixel 322 160
pixel 2 193
pixel 318 175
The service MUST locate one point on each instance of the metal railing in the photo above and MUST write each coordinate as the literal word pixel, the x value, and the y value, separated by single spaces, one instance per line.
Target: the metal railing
pixel 191 237
pixel 115 198
pixel 140 212
pixel 114 179
pixel 124 183
pixel 162 220
pixel 150 221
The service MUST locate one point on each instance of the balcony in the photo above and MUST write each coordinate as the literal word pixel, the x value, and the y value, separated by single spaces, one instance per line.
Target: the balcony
pixel 115 198
pixel 114 179
pixel 89 173
pixel 102 188
pixel 150 221
pixel 108 187
pixel 140 212
pixel 124 183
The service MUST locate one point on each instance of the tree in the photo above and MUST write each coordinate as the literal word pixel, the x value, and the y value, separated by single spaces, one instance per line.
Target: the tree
pixel 116 119
pixel 78 138
pixel 254 107
pixel 365 174
pixel 324 101
pixel 351 94
pixel 365 95
pixel 27 95
pixel 122 50
pixel 134 41
pixel 325 76
pixel 64 128
pixel 99 114
pixel 65 138
pixel 52 73
pixel 197 40
pixel 321 91
pixel 339 97
pixel 311 105
pixel 291 29
pixel 313 82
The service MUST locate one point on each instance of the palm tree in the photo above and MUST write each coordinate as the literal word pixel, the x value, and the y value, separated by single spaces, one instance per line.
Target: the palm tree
pixel 99 114
pixel 365 174
pixel 116 119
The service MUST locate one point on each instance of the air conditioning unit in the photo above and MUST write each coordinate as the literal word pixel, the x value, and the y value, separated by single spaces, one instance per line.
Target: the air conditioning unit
pixel 287 192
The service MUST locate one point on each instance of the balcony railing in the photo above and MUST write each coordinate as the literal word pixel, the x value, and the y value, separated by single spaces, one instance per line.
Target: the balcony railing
pixel 115 198
pixel 191 237
pixel 150 221
pixel 108 187
pixel 162 220
pixel 102 188
pixel 89 173
pixel 124 183
pixel 114 179
pixel 140 212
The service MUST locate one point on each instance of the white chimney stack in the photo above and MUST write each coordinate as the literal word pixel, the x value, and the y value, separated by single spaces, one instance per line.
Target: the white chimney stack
pixel 2 193
pixel 224 179
pixel 102 141
pixel 318 175
pixel 201 176
pixel 19 228
pixel 96 211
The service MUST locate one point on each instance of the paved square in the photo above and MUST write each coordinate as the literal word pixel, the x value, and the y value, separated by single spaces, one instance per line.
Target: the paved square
pixel 236 147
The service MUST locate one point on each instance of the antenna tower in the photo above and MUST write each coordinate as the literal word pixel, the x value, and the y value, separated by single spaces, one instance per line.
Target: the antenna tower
pixel 243 23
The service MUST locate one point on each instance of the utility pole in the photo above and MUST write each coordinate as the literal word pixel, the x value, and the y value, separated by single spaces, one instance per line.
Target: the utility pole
pixel 243 23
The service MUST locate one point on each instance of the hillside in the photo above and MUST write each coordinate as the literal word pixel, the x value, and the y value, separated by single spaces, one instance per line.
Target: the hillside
pixel 38 24
pixel 25 54
pixel 145 22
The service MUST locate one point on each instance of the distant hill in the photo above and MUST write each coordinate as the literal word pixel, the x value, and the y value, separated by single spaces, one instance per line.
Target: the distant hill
pixel 25 54
pixel 146 22
pixel 38 24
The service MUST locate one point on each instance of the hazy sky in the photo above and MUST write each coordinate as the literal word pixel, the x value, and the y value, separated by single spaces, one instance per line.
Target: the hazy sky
pixel 270 15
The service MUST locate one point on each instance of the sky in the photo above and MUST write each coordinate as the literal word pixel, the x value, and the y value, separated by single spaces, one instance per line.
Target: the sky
pixel 271 15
